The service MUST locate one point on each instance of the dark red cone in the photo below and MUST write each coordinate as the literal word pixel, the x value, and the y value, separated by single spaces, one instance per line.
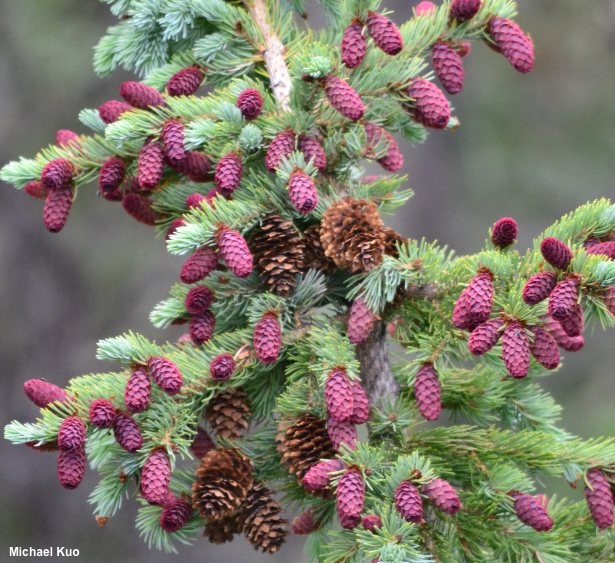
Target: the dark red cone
pixel 504 233
pixel 111 175
pixel 228 174
pixel 138 391
pixel 427 392
pixel 127 432
pixel 56 210
pixel 222 367
pixel 480 297
pixel 603 248
pixel 140 208
pixel 430 107
pixel 354 45
pixel 140 95
pixel 71 435
pixel 563 340
pixel 102 413
pixel 531 512
pixel 575 323
pixel 371 522
pixel 463 10
pixel 513 44
pixel 42 393
pixel 360 404
pixel 173 140
pixel 318 477
pixel 57 174
pixel 110 111
pixel 394 160
pixel 556 253
pixel 36 190
pixel 71 468
pixel 339 396
pixel 312 151
pixel 281 147
pixel 151 165
pixel 360 322
pixel 166 375
pixel 185 82
pixel 195 200
pixel 199 299
pixel 350 498
pixel 250 103
pixel 408 502
pixel 485 336
pixel 202 262
pixel 64 137
pixel 544 348
pixel 202 444
pixel 343 98
pixel 302 192
pixel 267 338
pixel 599 498
pixel 463 48
pixel 609 299
pixel 516 350
pixel 539 287
pixel 175 515
pixel 342 433
pixel 563 299
pixel 195 165
pixel 442 495
pixel 202 327
pixel 234 249
pixel 176 224
pixel 385 34
pixel 155 477
pixel 448 66
pixel 461 314
pixel 305 523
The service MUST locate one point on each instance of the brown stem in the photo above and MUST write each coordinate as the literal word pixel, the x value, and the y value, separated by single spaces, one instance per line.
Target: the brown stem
pixel 273 54
pixel 376 374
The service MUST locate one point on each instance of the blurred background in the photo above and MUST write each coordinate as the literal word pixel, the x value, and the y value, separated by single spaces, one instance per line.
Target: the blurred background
pixel 531 147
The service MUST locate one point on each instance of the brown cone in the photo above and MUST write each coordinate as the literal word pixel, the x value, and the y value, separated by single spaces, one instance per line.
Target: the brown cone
pixel 304 443
pixel 228 413
pixel 351 234
pixel 223 530
pixel 313 252
pixel 277 253
pixel 259 517
pixel 223 480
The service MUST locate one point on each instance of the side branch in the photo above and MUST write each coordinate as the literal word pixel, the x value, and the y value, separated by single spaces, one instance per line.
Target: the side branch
pixel 273 55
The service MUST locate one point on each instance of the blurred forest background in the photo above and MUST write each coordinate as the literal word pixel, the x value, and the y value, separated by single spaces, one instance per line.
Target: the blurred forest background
pixel 531 147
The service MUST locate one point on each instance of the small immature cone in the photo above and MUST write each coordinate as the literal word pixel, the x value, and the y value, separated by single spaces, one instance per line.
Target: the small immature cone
pixel 504 233
pixel 43 393
pixel 234 249
pixel 282 146
pixel 563 299
pixel 428 393
pixel 228 174
pixel 394 160
pixel 202 328
pixel 151 165
pixel 350 498
pixel 138 391
pixel 110 111
pixel 354 45
pixel 155 477
pixel 463 48
pixel 250 103
pixel 360 322
pixel 609 299
pixel 111 175
pixel 448 66
pixel 140 208
pixel 175 515
pixel 202 262
pixel 516 350
pixel 463 10
pixel 408 502
pixel 544 348
pixel 102 413
pixel 339 396
pixel 430 108
pixel 173 140
pixel 556 253
pixel 202 444
pixel 305 523
pixel 575 323
pixel 302 192
pixel 371 522
pixel 360 404
pixel 342 433
pixel 424 8
pixel 604 248
pixel 71 467
pixel 318 477
pixel 513 44
pixel 195 165
pixel 564 341
pixel 442 495
pixel 385 34
pixel 531 512
pixel 539 287
pixel 36 189
pixel 57 174
pixel 64 137
pixel 199 299
pixel 127 432
pixel 185 82
pixel 599 498
pixel 312 151
pixel 343 98
pixel 485 336
pixel 461 314
pixel 222 367
pixel 140 95
pixel 480 297
pixel 71 435
pixel 267 338
pixel 166 375
pixel 57 208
